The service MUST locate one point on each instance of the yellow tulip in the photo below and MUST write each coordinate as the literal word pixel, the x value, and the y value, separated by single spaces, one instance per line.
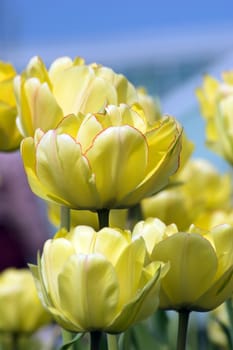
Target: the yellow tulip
pixel 92 280
pixel 117 217
pixel 201 190
pixel 210 218
pixel 9 135
pixel 44 96
pixel 201 273
pixel 110 160
pixel 216 102
pixel 20 308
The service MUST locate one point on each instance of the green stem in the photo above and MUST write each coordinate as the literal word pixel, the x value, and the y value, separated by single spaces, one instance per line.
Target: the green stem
pixel 65 218
pixel 229 308
pixel 65 223
pixel 112 342
pixel 182 329
pixel 103 216
pixel 15 341
pixel 95 340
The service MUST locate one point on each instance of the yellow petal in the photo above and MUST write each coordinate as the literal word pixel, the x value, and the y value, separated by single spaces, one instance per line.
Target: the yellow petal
pixel 10 137
pixel 37 69
pixel 129 269
pixel 88 291
pixel 83 239
pixel 117 175
pixel 44 110
pixel 111 243
pixel 222 236
pixel 78 90
pixel 218 292
pixel 143 304
pixel 55 254
pixel 158 177
pixel 56 156
pixel 190 275
pixel 88 129
pixel 29 161
pixel 123 115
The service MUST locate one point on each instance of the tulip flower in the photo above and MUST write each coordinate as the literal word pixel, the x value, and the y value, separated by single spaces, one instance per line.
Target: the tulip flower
pixel 20 308
pixel 200 193
pixel 201 273
pixel 92 280
pixel 211 218
pixel 97 161
pixel 216 102
pixel 44 96
pixel 9 135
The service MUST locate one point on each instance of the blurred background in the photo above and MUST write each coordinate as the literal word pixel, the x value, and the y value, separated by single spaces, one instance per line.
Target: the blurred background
pixel 165 46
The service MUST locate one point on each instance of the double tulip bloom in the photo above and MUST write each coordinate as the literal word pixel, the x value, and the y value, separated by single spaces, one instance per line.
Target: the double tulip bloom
pixel 201 274
pixel 216 103
pixel 20 307
pixel 97 280
pixel 103 160
pixel 9 135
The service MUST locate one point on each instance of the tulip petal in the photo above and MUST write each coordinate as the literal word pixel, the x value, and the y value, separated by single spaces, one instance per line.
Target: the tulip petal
pixel 63 63
pixel 219 292
pixel 29 160
pixel 44 110
pixel 91 302
pixel 89 128
pixel 37 69
pixel 190 275
pixel 158 177
pixel 83 239
pixel 9 135
pixel 111 243
pixel 24 124
pixel 118 174
pixel 122 115
pixel 222 236
pixel 129 269
pixel 144 302
pixel 56 156
pixel 78 90
pixel 126 92
pixel 55 253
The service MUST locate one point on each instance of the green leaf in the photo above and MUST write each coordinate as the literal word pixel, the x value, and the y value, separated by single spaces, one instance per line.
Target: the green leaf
pixel 69 344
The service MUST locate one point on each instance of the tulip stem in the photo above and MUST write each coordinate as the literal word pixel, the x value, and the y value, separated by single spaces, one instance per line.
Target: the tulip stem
pixel 15 341
pixel 182 329
pixel 65 223
pixel 112 342
pixel 65 218
pixel 95 340
pixel 103 216
pixel 229 308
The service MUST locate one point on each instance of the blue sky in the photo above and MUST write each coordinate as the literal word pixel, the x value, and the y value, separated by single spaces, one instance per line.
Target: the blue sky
pixel 27 20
